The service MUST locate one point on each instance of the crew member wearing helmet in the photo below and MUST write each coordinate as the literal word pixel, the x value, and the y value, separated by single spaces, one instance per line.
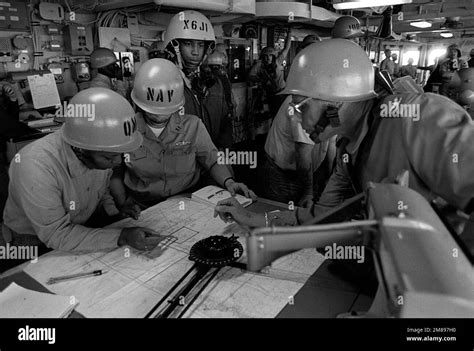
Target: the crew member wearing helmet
pixel 58 182
pixel 157 50
pixel 470 63
pixel 308 40
pixel 109 74
pixel 217 63
pixel 176 146
pixel 447 67
pixel 269 71
pixel 347 27
pixel 189 39
pixel 292 161
pixel 463 82
pixel 336 96
pixel 287 171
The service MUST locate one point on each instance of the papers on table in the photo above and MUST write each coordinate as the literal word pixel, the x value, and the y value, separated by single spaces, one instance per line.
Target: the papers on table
pixel 18 302
pixel 211 195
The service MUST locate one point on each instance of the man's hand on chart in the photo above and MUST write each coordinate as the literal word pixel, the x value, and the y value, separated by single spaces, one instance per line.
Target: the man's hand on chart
pixel 230 210
pixel 234 188
pixel 140 238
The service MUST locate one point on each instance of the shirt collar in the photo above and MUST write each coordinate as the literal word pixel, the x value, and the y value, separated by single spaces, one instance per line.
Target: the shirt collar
pixel 175 125
pixel 362 127
pixel 75 166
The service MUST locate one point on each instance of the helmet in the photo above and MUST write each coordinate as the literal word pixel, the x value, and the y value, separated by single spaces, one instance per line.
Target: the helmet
pixel 157 50
pixel 309 39
pixel 463 80
pixel 158 87
pixel 111 128
pixel 466 97
pixel 347 27
pixel 102 57
pixel 189 25
pixel 333 70
pixel 454 46
pixel 216 58
pixel 268 50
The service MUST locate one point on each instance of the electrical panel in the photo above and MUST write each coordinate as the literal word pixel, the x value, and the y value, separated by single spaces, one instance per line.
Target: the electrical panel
pixel 80 72
pixel 51 12
pixel 5 50
pixel 78 40
pixel 13 15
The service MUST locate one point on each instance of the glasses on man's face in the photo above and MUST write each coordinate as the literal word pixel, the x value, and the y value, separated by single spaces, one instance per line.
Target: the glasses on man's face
pixel 297 106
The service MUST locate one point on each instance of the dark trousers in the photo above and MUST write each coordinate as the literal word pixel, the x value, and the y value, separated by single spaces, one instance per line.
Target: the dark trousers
pixel 280 185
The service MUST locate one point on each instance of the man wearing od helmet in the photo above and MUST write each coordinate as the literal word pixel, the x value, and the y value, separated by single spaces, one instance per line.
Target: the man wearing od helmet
pixel 176 146
pixel 447 67
pixel 332 91
pixel 347 27
pixel 189 39
pixel 109 74
pixel 269 71
pixel 59 181
pixel 308 40
pixel 157 50
pixel 463 82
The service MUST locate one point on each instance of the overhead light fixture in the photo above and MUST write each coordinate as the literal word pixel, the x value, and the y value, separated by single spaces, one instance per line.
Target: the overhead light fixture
pixel 421 24
pixel 446 35
pixel 356 4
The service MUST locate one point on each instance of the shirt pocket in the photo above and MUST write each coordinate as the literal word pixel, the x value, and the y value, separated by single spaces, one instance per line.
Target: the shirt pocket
pixel 138 154
pixel 142 167
pixel 180 160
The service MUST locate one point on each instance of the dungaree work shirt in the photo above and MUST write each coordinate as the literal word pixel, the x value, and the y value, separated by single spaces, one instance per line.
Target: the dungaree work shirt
pixel 171 163
pixel 437 150
pixel 284 133
pixel 52 194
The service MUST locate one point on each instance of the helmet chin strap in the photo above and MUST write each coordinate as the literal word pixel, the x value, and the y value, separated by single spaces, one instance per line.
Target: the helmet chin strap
pixel 330 117
pixel 84 156
pixel 175 45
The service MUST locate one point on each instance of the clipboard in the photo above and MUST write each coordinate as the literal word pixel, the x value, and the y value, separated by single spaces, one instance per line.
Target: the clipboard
pixel 44 91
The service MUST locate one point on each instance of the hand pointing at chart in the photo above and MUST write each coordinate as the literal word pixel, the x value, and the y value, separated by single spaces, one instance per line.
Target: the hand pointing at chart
pixel 230 210
pixel 143 239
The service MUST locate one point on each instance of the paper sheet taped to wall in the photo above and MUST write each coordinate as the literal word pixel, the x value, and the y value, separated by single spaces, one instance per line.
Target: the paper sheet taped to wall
pixel 44 91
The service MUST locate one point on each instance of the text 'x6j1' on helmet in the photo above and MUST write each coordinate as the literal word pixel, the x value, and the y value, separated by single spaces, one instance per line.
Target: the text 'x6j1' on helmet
pixel 190 25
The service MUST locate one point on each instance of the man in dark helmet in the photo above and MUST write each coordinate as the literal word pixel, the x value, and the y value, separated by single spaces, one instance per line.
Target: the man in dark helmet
pixel 347 27
pixel 269 72
pixel 108 73
pixel 308 40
